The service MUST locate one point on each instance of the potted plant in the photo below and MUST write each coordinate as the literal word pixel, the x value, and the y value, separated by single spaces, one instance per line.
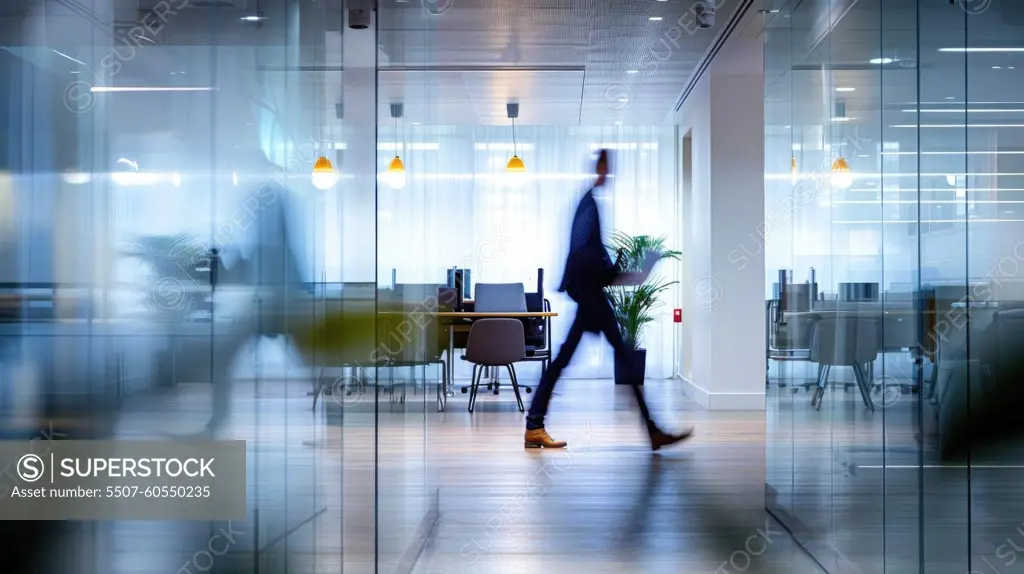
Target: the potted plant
pixel 634 304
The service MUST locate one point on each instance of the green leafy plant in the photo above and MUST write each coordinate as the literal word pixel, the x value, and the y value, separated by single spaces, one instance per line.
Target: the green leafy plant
pixel 634 305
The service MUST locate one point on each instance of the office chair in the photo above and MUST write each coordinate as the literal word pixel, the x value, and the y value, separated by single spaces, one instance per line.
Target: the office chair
pixel 500 298
pixel 418 338
pixel 538 329
pixel 844 342
pixel 495 343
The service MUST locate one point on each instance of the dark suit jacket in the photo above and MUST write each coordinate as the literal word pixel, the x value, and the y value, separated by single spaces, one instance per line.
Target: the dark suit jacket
pixel 588 268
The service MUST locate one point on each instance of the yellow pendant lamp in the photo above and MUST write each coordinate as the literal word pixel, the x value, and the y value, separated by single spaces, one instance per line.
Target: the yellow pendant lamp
pixel 324 174
pixel 395 175
pixel 396 166
pixel 515 165
pixel 515 169
pixel 841 176
pixel 794 172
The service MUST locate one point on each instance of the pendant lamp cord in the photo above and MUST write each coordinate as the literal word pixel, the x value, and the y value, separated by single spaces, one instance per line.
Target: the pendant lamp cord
pixel 515 149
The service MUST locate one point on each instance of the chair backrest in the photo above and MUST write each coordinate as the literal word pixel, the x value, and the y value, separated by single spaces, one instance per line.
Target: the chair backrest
pixel 496 342
pixel 844 341
pixel 500 297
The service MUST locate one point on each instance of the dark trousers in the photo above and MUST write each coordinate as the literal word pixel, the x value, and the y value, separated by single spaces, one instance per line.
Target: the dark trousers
pixel 595 314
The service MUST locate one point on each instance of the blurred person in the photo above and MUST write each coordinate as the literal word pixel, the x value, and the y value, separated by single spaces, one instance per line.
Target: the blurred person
pixel 261 292
pixel 588 270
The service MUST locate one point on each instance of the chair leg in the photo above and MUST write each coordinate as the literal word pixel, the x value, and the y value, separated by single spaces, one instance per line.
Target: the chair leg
pixel 515 387
pixel 442 389
pixel 319 387
pixel 819 389
pixel 862 382
pixel 391 385
pixel 474 385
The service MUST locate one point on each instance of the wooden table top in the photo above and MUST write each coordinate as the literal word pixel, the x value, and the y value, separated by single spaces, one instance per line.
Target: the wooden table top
pixel 477 315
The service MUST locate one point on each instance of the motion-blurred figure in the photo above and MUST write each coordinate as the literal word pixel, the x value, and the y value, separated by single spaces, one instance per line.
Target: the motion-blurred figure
pixel 261 293
pixel 588 270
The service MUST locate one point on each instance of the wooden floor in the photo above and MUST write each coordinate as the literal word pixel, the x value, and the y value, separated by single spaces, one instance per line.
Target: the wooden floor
pixel 607 504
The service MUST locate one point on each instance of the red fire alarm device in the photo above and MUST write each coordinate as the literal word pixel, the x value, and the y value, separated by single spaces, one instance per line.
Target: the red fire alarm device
pixel 677 315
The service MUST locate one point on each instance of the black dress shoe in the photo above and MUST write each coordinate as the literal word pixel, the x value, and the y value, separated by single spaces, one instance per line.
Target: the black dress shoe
pixel 661 439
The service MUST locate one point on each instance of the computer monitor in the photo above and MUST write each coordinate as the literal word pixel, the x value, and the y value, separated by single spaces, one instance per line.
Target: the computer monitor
pixel 464 277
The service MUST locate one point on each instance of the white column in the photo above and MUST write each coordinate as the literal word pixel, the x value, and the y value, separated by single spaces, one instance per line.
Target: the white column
pixel 723 311
pixel 358 165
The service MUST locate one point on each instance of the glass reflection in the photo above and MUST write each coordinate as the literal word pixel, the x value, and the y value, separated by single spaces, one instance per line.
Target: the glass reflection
pixel 891 360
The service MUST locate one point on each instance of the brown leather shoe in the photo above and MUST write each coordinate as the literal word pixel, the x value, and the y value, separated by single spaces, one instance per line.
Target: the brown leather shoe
pixel 660 439
pixel 540 438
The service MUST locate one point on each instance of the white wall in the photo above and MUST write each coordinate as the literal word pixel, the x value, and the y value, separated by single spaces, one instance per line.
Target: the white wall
pixel 723 314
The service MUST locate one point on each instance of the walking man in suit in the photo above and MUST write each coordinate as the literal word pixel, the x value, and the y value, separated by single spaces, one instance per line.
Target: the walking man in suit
pixel 588 270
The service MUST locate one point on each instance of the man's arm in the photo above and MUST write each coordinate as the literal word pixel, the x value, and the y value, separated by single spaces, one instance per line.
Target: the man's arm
pixel 604 271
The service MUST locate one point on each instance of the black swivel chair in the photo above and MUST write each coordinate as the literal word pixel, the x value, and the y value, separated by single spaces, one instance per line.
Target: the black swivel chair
pixel 538 329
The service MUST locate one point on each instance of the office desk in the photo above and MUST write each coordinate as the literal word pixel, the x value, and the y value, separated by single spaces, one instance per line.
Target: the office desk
pixel 451 320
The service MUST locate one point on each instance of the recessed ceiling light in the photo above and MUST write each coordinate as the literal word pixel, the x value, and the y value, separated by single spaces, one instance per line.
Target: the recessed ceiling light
pixel 632 71
pixel 108 89
pixel 845 89
pixel 981 50
pixel 841 119
pixel 997 67
pixel 950 97
pixel 253 18
pixel 969 110
pixel 881 60
pixel 655 18
pixel 623 100
pixel 915 126
pixel 65 56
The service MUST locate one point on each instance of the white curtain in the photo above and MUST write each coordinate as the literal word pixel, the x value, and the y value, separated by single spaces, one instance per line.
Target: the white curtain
pixel 459 208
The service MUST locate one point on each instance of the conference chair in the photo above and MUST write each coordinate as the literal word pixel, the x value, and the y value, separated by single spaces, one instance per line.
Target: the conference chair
pixel 844 342
pixel 500 298
pixel 415 338
pixel 538 329
pixel 495 343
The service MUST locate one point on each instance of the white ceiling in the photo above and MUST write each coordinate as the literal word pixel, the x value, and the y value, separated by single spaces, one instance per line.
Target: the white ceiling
pixel 566 62
pixel 573 56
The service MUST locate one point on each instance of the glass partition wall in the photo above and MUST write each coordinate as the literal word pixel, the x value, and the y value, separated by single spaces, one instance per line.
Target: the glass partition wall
pixel 175 269
pixel 893 141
